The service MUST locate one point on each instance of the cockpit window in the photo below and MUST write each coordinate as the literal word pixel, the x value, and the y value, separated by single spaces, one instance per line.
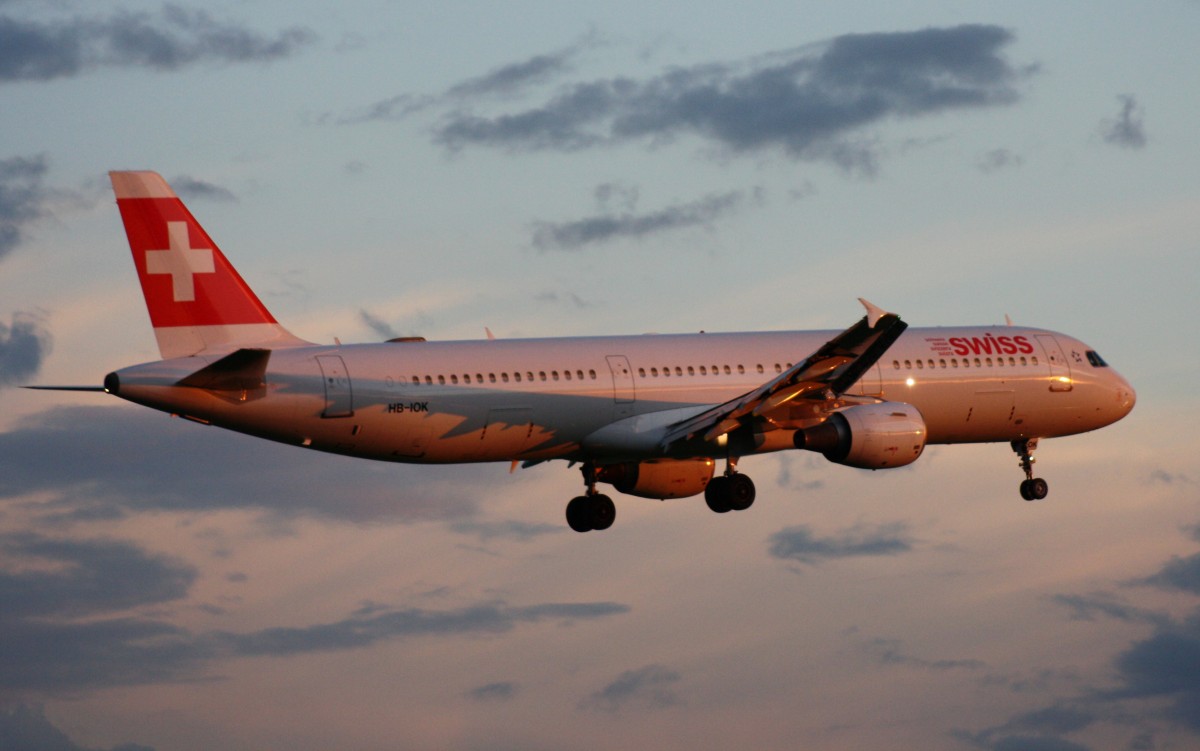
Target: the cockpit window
pixel 1096 360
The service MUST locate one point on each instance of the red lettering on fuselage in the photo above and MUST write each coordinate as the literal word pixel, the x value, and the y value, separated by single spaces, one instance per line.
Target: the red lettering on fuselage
pixel 990 345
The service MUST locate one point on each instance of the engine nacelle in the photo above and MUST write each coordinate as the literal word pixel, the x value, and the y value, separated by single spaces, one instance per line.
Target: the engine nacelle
pixel 868 436
pixel 662 479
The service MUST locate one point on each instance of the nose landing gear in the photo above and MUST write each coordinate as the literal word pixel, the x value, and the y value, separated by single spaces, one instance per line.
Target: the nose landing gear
pixel 1032 488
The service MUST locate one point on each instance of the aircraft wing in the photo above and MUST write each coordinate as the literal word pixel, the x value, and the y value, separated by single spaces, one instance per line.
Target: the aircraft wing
pixel 826 373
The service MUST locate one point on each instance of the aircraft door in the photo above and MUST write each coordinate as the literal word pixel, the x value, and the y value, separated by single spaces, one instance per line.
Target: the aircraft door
pixel 339 397
pixel 1060 369
pixel 624 394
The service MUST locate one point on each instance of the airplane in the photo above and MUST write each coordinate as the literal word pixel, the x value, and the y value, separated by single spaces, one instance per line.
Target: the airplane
pixel 651 415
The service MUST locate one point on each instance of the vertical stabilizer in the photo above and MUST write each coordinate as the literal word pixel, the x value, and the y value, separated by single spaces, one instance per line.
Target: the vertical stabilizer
pixel 196 299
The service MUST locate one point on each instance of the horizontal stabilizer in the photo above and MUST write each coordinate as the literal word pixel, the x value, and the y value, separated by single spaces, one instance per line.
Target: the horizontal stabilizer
pixel 243 370
pixel 66 388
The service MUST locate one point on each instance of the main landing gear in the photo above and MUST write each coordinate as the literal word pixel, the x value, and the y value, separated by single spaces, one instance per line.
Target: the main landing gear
pixel 593 510
pixel 731 491
pixel 1032 488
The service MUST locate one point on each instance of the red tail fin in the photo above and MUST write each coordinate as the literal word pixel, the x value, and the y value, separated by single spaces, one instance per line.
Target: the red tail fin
pixel 196 299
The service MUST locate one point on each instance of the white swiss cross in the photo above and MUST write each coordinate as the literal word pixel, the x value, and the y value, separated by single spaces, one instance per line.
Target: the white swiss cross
pixel 181 261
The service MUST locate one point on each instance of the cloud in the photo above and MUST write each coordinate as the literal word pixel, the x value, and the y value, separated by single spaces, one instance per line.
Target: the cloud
pixel 800 544
pixel 501 691
pixel 26 728
pixel 1178 573
pixel 190 188
pixel 23 346
pixel 22 197
pixel 170 39
pixel 809 103
pixel 511 529
pixel 891 653
pixel 1088 607
pixel 382 328
pixel 70 620
pixel 597 229
pixel 1126 129
pixel 87 576
pixel 649 687
pixel 366 628
pixel 1167 665
pixel 163 463
pixel 504 81
pixel 998 159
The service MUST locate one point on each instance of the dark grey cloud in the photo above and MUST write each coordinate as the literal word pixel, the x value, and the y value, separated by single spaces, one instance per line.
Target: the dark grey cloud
pixel 510 529
pixel 597 229
pixel 811 102
pixel 499 691
pixel 25 727
pixel 502 82
pixel 72 455
pixel 189 188
pixel 1178 573
pixel 24 345
pixel 1165 665
pixel 363 629
pixel 649 687
pixel 801 544
pixel 382 328
pixel 998 159
pixel 22 196
pixel 890 652
pixel 169 39
pixel 1126 129
pixel 71 621
pixel 1088 607
pixel 85 577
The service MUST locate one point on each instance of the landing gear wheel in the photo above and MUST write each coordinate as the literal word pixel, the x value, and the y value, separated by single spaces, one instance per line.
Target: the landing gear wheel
pixel 591 512
pixel 579 514
pixel 717 494
pixel 604 512
pixel 741 492
pixel 1034 489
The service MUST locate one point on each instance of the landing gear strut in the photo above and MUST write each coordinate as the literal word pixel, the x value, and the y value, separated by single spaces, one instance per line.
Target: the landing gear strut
pixel 731 491
pixel 593 510
pixel 1032 488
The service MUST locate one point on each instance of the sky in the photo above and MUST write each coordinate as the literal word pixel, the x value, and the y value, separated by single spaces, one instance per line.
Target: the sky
pixel 377 169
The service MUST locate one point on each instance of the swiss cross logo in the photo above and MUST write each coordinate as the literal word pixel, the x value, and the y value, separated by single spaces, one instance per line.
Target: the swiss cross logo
pixel 181 261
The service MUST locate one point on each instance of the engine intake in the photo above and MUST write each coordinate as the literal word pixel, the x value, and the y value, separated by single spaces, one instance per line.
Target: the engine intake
pixel 868 436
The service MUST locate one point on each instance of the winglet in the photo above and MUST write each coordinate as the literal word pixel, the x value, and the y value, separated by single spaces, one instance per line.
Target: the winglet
pixel 874 312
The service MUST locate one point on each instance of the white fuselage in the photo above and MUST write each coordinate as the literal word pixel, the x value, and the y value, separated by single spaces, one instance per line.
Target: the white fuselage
pixel 589 398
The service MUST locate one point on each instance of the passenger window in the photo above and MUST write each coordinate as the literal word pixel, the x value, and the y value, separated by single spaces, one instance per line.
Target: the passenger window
pixel 554 375
pixel 1033 360
pixel 908 365
pixel 567 374
pixel 1024 362
pixel 954 363
pixel 504 377
pixel 703 371
pixel 989 362
pixel 517 377
pixel 453 378
pixel 727 370
pixel 678 371
pixel 895 366
pixel 760 368
pixel 941 363
pixel 779 368
pixel 442 380
pixel 541 375
pixel 691 371
pixel 592 374
pixel 978 363
pixel 920 364
pixel 741 370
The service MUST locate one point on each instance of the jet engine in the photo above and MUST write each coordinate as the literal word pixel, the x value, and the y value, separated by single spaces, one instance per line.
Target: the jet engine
pixel 661 479
pixel 868 436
